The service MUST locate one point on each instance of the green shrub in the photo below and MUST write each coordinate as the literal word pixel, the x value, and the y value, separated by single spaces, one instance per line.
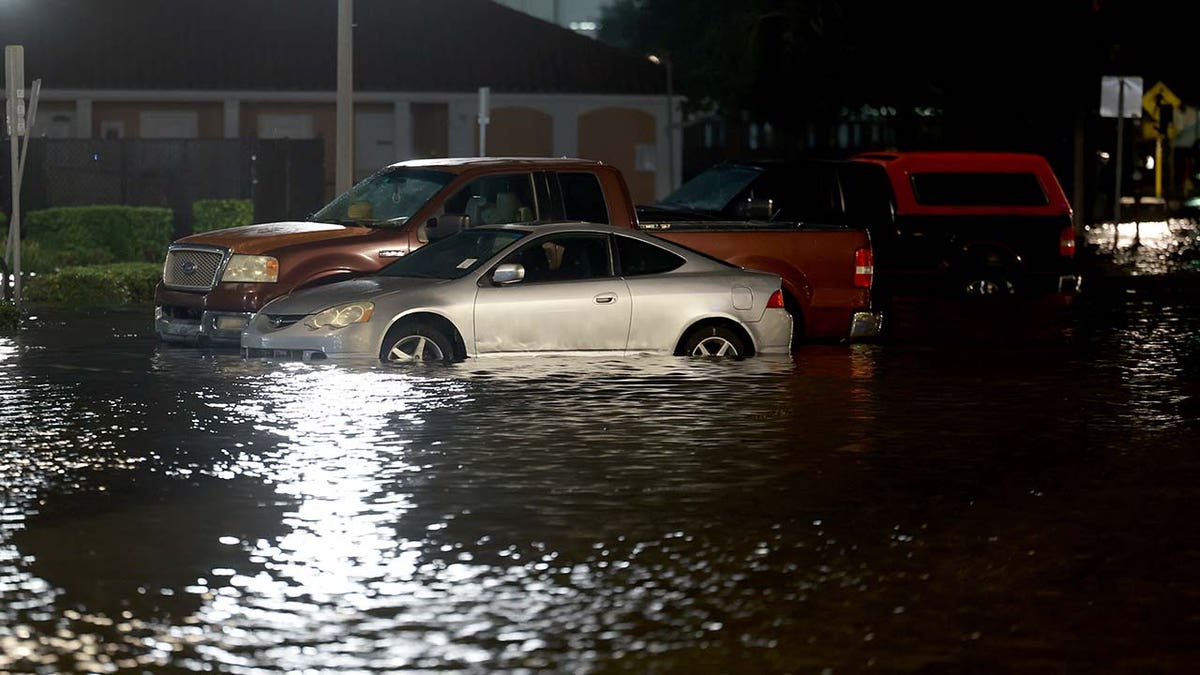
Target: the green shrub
pixel 114 284
pixel 218 214
pixel 9 317
pixel 89 235
pixel 34 258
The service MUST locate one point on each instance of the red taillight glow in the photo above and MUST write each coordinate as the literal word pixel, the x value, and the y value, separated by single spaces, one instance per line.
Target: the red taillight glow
pixel 775 301
pixel 864 267
pixel 1066 242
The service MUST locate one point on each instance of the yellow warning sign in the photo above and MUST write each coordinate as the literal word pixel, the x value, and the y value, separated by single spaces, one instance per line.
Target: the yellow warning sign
pixel 1159 95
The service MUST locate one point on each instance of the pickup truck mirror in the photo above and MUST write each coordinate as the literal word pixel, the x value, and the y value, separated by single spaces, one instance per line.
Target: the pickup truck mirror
pixel 440 227
pixel 508 273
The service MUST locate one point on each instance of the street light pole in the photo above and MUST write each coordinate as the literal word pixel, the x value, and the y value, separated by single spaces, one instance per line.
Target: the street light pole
pixel 670 126
pixel 665 62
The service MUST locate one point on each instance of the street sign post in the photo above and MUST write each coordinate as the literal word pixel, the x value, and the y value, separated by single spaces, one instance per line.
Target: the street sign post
pixel 1160 104
pixel 1118 98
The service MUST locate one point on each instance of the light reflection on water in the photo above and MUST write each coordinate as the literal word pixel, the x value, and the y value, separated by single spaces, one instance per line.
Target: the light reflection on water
pixel 897 506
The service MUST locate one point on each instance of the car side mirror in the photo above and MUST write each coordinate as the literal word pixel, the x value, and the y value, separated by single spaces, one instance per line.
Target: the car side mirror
pixel 760 209
pixel 508 273
pixel 440 227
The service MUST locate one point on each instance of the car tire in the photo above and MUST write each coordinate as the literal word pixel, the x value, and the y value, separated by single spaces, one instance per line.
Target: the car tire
pixel 410 341
pixel 714 342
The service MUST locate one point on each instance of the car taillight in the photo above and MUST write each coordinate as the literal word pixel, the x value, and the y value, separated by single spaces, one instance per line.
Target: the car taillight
pixel 775 301
pixel 1066 242
pixel 864 267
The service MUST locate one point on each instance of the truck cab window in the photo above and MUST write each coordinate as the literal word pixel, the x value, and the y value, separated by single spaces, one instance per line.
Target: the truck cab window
pixel 583 199
pixel 495 200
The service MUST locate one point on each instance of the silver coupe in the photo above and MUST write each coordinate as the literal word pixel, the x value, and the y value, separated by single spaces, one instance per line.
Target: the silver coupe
pixel 564 287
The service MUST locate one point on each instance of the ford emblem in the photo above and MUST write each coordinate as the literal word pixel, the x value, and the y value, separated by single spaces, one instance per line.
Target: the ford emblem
pixel 188 268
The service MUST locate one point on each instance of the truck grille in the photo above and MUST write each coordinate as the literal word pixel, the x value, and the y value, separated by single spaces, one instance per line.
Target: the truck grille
pixel 193 268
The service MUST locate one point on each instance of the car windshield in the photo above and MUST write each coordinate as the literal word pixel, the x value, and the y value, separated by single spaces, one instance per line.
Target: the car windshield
pixel 389 197
pixel 712 189
pixel 454 256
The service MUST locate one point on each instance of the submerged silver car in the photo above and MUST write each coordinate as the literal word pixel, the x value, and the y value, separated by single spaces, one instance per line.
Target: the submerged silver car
pixel 564 287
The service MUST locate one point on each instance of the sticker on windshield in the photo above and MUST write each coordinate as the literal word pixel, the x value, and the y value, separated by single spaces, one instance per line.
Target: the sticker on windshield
pixel 467 263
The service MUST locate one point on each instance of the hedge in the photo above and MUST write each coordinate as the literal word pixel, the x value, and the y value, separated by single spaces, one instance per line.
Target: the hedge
pixel 218 214
pixel 113 284
pixel 9 317
pixel 89 235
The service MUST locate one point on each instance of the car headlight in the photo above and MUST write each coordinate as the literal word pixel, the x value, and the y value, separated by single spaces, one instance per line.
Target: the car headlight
pixel 341 315
pixel 261 268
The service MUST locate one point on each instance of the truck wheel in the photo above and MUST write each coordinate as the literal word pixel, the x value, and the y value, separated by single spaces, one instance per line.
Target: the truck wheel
pixel 714 341
pixel 411 341
pixel 987 284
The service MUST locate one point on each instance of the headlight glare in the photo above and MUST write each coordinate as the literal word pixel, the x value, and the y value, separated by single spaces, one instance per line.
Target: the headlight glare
pixel 252 268
pixel 341 315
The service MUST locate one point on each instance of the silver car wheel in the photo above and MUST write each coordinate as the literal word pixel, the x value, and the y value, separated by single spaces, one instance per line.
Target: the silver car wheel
pixel 715 346
pixel 416 341
pixel 714 341
pixel 415 348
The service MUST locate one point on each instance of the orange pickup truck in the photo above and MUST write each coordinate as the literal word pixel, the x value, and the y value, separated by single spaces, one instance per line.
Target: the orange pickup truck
pixel 214 281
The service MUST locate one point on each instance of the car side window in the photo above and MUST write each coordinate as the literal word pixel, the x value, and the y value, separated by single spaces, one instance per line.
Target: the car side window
pixel 638 258
pixel 495 200
pixel 564 257
pixel 583 198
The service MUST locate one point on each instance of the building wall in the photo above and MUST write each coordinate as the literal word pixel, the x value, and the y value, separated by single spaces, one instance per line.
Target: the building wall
pixel 210 116
pixel 623 131
pixel 518 132
pixel 618 136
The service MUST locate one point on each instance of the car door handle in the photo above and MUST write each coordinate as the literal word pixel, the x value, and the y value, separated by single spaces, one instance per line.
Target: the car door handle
pixel 605 299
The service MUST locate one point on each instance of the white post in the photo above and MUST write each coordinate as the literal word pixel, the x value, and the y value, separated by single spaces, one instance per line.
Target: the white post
pixel 345 97
pixel 484 118
pixel 1120 150
pixel 670 126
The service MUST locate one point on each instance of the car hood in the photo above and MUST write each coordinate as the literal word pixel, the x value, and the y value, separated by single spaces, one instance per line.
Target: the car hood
pixel 316 298
pixel 267 237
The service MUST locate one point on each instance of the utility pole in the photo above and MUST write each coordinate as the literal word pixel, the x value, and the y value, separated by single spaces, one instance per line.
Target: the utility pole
pixel 345 97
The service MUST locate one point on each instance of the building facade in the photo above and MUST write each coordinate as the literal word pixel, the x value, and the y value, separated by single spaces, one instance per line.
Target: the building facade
pixel 267 69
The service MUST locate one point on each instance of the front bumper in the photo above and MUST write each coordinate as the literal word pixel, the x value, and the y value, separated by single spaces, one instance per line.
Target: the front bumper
pixel 200 327
pixel 298 342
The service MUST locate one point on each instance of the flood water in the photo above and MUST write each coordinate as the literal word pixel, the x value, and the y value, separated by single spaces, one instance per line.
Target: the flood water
pixel 1005 493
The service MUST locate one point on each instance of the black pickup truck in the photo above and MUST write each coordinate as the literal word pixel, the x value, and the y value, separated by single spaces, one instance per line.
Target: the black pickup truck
pixel 942 224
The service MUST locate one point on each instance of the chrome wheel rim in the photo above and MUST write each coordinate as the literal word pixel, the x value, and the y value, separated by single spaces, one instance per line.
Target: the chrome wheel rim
pixel 415 348
pixel 714 346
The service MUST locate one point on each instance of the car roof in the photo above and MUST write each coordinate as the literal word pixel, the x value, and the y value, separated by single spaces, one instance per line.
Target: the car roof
pixel 956 160
pixel 463 164
pixel 580 226
pixel 565 226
